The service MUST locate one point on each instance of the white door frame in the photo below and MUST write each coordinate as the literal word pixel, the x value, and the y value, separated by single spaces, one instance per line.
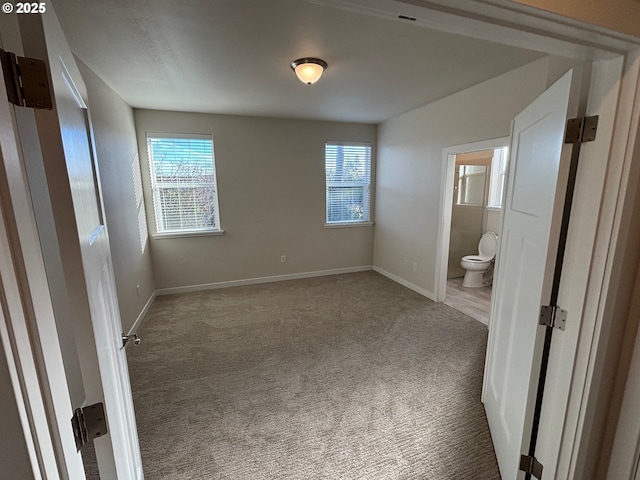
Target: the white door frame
pixel 448 173
pixel 604 277
pixel 530 29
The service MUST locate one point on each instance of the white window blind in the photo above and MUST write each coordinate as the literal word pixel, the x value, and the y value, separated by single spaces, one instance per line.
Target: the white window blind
pixel 348 182
pixel 183 180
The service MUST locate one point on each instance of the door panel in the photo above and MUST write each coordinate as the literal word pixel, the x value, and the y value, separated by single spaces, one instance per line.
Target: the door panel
pixel 72 112
pixel 523 267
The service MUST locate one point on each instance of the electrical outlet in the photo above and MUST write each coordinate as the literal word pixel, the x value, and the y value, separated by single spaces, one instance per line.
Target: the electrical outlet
pixel 283 258
pixel 415 266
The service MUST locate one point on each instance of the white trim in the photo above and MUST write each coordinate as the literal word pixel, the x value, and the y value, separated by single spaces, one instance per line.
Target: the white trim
pixel 136 325
pixel 256 280
pixel 186 234
pixel 448 171
pixel 186 136
pixel 502 21
pixel 348 224
pixel 348 143
pixel 405 283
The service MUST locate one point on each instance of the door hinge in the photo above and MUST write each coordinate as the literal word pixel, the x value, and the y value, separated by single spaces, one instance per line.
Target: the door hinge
pixel 581 129
pixel 88 423
pixel 133 337
pixel 531 465
pixel 27 81
pixel 553 316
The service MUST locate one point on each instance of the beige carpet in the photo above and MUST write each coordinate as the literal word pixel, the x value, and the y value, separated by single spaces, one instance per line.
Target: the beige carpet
pixel 343 377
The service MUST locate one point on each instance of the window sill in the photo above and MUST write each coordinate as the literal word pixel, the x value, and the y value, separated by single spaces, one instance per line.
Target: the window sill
pixel 494 209
pixel 185 234
pixel 348 225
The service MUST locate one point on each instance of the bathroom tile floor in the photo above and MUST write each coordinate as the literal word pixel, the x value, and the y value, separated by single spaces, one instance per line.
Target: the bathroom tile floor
pixel 475 302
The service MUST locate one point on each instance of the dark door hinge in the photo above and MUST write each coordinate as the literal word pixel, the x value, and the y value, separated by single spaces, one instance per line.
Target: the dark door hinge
pixel 27 81
pixel 531 465
pixel 88 423
pixel 553 316
pixel 581 129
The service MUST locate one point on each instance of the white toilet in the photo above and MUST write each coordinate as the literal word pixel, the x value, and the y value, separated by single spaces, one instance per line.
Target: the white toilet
pixel 477 266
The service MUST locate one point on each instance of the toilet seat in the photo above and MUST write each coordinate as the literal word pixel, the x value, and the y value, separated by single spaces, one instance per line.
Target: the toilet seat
pixel 477 258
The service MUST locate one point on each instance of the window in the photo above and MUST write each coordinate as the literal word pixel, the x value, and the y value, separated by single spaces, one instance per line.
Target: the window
pixel 348 182
pixel 183 182
pixel 471 184
pixel 498 176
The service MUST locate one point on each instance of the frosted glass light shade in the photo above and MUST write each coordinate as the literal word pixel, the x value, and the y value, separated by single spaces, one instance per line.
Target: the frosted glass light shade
pixel 309 70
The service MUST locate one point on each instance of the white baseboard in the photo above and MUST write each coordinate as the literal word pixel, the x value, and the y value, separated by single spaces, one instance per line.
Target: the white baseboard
pixel 143 314
pixel 406 283
pixel 253 281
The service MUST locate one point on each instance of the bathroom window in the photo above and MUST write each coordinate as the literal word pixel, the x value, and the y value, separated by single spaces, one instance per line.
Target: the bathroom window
pixel 348 183
pixel 471 184
pixel 498 176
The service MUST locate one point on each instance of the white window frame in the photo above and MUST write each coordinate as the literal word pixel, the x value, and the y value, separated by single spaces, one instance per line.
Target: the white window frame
pixel 463 180
pixel 365 185
pixel 161 231
pixel 498 177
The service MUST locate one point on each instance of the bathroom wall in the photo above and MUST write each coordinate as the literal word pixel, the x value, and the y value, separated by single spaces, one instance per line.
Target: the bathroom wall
pixel 468 222
pixel 493 220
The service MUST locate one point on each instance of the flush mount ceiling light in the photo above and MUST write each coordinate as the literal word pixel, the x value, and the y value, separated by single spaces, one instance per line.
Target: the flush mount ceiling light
pixel 308 70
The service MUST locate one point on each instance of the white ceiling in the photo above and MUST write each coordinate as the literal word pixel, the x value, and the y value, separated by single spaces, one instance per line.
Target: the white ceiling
pixel 232 57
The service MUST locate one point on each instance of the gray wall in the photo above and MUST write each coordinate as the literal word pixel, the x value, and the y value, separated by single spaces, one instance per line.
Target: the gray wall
pixel 116 148
pixel 409 187
pixel 271 189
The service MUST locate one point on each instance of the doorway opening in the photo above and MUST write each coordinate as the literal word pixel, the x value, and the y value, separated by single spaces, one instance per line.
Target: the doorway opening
pixel 474 176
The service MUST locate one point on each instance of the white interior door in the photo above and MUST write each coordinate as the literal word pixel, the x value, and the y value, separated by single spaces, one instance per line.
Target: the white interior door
pixel 72 177
pixel 98 275
pixel 524 272
pixel 36 443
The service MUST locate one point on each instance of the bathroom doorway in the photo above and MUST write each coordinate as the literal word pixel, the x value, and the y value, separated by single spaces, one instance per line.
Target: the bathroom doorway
pixel 474 178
